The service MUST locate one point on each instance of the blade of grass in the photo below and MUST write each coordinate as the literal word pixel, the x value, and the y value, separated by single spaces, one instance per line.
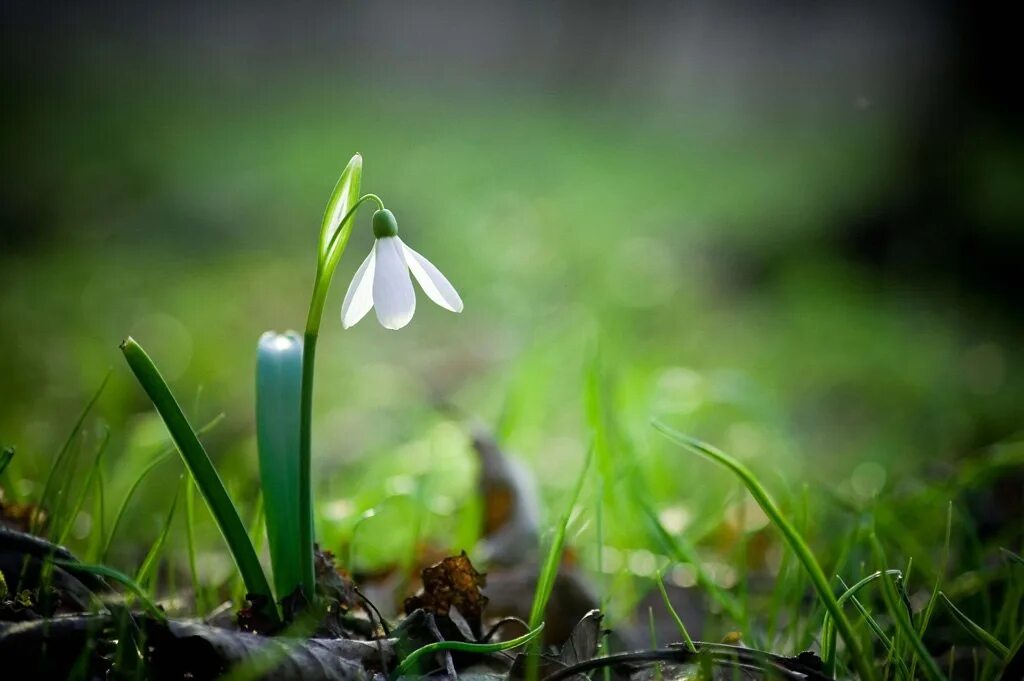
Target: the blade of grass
pixel 986 639
pixel 64 451
pixel 740 560
pixel 145 570
pixel 602 645
pixel 413 658
pixel 902 618
pixel 90 480
pixel 99 511
pixel 1006 620
pixel 876 629
pixel 164 455
pixel 119 515
pixel 897 639
pixel 672 611
pixel 926 616
pixel 119 577
pixel 828 632
pixel 203 472
pixel 800 524
pixel 789 533
pixel 1012 657
pixel 1011 556
pixel 549 569
pixel 682 551
pixel 190 542
pixel 57 516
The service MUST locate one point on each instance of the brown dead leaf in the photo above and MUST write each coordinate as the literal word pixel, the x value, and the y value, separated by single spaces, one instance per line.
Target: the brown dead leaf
pixel 453 582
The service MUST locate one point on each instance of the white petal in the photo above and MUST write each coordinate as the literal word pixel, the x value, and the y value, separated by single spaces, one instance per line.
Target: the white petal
pixel 432 281
pixel 393 295
pixel 359 298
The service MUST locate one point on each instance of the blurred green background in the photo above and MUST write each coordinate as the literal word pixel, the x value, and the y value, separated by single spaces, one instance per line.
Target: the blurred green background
pixel 790 233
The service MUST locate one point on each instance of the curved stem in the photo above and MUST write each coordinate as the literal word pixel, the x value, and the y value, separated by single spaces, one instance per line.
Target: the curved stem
pixel 316 309
pixel 348 216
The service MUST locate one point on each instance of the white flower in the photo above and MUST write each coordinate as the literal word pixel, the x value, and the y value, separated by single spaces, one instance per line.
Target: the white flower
pixel 383 283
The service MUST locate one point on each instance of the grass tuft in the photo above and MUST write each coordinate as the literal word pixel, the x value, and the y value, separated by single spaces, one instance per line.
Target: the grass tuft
pixel 793 539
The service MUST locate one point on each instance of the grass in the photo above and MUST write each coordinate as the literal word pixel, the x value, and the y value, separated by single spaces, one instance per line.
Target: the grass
pixel 675 616
pixel 124 580
pixel 553 556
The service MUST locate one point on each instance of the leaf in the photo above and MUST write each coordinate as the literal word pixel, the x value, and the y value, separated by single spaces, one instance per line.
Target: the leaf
pixel 461 624
pixel 203 472
pixel 584 640
pixel 343 198
pixel 278 398
pixel 995 646
pixel 452 582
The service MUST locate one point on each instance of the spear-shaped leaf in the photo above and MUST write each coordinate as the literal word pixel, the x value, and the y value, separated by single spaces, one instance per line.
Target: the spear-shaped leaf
pixel 203 472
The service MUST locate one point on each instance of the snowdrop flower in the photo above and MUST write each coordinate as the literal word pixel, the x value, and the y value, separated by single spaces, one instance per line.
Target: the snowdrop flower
pixel 383 283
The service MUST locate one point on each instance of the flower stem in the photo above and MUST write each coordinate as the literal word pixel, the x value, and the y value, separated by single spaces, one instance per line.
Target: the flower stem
pixel 321 285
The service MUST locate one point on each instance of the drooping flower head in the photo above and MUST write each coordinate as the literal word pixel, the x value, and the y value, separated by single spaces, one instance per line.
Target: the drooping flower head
pixel 383 282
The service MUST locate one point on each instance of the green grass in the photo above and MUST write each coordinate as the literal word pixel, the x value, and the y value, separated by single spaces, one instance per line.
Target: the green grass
pixel 794 542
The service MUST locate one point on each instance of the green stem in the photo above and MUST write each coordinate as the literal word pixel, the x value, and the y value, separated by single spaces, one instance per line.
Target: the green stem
pixel 316 311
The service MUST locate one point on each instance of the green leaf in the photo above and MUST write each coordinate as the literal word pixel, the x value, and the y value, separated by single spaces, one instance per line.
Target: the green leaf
pixel 203 472
pixel 344 196
pixel 278 415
